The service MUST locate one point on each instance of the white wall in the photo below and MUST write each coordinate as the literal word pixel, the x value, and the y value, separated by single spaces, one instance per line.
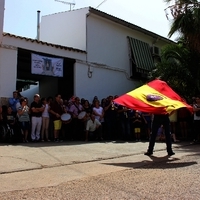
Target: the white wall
pixel 107 42
pixel 108 54
pixel 66 28
pixel 8 71
pixel 104 82
pixel 2 6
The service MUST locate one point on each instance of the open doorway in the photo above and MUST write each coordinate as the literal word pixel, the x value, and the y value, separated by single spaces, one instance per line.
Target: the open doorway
pixel 46 85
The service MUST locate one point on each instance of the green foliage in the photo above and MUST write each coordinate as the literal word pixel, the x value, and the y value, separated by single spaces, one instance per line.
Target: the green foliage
pixel 176 69
pixel 186 22
pixel 180 63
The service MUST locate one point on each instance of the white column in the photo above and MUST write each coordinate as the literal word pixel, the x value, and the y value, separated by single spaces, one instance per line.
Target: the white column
pixel 2 4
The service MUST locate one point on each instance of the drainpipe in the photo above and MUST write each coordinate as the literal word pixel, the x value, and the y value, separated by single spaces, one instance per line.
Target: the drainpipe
pixel 2 8
pixel 38 25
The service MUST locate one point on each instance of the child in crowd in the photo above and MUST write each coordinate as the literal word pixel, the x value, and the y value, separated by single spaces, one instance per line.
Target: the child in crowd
pixel 137 124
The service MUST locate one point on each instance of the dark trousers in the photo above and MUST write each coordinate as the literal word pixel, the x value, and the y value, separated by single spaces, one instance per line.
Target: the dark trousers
pixel 157 122
pixel 125 128
pixel 77 129
pixel 196 130
pixel 97 134
pixel 66 131
pixel 111 128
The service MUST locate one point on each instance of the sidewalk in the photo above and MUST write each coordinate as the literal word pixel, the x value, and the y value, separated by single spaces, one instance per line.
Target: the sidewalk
pixel 34 165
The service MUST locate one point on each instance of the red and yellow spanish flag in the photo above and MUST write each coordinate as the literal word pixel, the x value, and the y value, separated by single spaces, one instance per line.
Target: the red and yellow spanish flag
pixel 154 97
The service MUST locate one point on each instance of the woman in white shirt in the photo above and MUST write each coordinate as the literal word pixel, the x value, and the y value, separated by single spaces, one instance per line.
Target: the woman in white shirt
pixel 98 111
pixel 45 120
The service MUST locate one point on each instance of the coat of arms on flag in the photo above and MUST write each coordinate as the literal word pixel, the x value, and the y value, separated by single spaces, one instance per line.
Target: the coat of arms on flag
pixel 154 97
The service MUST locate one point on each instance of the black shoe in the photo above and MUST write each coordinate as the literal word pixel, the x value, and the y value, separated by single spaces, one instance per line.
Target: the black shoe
pixel 148 153
pixel 171 153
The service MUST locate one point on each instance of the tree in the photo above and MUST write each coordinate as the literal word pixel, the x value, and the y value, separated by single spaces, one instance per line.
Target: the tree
pixel 175 68
pixel 186 22
pixel 180 64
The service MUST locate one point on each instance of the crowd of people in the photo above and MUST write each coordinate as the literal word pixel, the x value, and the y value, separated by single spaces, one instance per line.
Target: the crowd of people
pixel 57 119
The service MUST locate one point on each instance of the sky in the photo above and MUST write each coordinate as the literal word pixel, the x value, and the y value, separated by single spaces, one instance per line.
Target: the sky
pixel 20 16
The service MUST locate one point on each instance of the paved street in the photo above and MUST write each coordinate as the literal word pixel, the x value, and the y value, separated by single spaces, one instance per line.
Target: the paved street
pixel 113 170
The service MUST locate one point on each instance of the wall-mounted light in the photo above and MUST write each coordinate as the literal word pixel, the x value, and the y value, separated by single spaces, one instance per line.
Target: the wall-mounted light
pixel 90 70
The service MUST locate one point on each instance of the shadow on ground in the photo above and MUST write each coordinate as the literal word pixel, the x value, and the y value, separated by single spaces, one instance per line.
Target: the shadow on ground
pixel 165 162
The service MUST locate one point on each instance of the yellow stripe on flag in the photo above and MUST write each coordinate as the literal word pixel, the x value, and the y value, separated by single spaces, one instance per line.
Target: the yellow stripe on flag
pixel 144 91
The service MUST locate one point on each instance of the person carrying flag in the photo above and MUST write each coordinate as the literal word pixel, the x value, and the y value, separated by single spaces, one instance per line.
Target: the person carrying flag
pixel 158 120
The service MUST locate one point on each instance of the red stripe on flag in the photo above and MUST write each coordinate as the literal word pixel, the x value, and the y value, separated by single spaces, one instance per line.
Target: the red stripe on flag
pixel 164 89
pixel 135 104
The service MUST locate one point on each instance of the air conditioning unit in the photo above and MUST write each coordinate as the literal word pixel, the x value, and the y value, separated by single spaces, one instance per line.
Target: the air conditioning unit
pixel 155 50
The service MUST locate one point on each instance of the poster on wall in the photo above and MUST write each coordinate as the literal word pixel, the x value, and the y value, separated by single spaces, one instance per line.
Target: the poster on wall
pixel 47 66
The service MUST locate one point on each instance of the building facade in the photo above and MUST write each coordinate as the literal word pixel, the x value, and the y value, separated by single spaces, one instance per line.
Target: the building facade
pixel 102 55
pixel 119 54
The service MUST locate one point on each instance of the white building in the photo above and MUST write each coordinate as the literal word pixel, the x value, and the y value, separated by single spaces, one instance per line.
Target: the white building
pixel 112 46
pixel 102 55
pixel 16 66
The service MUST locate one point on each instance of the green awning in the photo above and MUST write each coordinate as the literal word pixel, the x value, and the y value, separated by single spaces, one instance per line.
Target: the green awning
pixel 141 55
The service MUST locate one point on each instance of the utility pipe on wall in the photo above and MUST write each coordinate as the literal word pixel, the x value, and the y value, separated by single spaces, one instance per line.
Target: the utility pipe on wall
pixel 38 25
